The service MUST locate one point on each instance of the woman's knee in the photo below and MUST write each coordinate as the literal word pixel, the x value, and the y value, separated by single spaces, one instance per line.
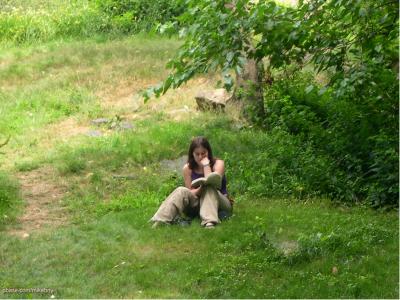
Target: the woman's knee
pixel 182 190
pixel 209 189
pixel 180 193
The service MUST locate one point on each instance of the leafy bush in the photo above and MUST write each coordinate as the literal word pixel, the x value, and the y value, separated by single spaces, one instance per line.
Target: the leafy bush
pixel 358 134
pixel 138 15
pixel 277 164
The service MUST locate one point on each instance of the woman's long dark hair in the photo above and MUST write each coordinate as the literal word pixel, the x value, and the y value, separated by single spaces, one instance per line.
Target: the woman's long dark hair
pixel 200 141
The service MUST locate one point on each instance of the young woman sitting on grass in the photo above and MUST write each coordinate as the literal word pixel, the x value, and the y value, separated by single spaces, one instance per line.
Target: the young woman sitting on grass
pixel 209 200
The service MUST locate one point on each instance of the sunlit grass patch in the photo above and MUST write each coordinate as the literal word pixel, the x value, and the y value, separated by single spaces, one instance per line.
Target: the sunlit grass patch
pixel 236 260
pixel 27 165
pixel 136 57
pixel 55 82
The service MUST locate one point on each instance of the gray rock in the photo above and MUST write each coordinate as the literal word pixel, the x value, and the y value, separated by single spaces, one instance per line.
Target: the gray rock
pixel 126 177
pixel 288 247
pixel 94 133
pixel 126 125
pixel 100 121
pixel 174 165
pixel 212 100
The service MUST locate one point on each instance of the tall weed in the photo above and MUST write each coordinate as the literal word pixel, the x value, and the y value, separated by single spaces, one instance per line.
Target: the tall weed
pixel 139 15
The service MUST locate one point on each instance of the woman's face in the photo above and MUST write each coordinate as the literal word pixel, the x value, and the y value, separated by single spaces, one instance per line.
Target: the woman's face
pixel 199 153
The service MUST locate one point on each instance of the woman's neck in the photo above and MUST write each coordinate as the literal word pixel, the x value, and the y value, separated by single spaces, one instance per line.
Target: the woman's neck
pixel 198 170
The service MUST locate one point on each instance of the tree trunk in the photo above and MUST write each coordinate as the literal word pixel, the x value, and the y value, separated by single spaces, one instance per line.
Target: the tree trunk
pixel 249 90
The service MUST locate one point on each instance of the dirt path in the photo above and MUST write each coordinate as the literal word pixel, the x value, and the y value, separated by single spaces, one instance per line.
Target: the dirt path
pixel 42 194
pixel 41 189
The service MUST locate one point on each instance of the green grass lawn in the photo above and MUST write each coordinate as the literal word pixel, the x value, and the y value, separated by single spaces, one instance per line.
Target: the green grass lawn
pixel 275 245
pixel 119 255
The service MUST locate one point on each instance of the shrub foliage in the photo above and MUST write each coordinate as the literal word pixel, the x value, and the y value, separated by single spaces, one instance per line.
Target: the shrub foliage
pixel 137 15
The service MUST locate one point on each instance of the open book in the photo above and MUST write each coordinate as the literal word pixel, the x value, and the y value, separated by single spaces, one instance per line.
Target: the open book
pixel 213 179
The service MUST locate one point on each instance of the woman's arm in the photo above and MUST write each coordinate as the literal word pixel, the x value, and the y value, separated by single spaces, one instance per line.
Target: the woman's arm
pixel 219 167
pixel 187 176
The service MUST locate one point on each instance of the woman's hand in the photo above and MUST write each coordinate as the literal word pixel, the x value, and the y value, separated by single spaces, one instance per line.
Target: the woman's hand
pixel 205 161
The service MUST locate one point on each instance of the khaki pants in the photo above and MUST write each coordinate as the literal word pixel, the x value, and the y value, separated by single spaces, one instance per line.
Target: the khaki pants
pixel 182 201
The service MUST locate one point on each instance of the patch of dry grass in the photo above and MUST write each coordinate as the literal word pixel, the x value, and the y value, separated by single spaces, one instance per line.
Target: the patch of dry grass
pixel 109 74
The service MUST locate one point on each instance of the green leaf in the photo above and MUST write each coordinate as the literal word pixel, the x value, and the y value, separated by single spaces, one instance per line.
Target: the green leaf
pixel 309 88
pixel 167 84
pixel 229 56
pixel 238 69
pixel 228 82
pixel 362 12
pixel 322 91
pixel 147 94
pixel 269 25
pixel 182 32
pixel 378 48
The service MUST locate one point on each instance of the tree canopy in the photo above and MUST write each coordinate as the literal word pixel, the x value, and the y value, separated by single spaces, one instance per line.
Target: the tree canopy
pixel 348 37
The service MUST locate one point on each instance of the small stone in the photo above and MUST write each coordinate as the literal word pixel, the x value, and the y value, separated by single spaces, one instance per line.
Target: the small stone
pixel 239 126
pixel 126 177
pixel 25 235
pixel 100 121
pixel 175 164
pixel 94 133
pixel 126 125
pixel 288 247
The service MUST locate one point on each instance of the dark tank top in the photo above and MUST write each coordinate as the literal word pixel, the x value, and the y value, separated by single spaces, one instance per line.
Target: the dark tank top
pixel 223 184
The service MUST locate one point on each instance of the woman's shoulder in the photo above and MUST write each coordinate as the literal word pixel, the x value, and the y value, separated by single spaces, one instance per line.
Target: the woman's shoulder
pixel 219 166
pixel 186 169
pixel 219 161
